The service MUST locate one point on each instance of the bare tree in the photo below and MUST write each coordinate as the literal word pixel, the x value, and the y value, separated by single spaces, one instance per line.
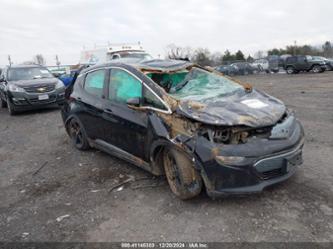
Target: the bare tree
pixel 202 57
pixel 176 52
pixel 39 59
pixel 260 54
pixel 216 59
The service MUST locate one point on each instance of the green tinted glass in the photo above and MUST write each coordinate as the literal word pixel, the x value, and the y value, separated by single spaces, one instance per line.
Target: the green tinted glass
pixel 94 82
pixel 124 86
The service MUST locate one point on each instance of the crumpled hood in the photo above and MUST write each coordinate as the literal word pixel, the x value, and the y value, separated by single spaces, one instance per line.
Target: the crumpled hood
pixel 254 109
pixel 34 82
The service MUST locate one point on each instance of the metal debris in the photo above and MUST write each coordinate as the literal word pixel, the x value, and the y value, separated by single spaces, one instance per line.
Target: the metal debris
pixel 39 169
pixel 60 218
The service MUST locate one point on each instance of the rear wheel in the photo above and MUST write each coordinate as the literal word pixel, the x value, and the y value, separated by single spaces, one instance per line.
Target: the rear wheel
pixel 290 70
pixel 77 134
pixel 184 180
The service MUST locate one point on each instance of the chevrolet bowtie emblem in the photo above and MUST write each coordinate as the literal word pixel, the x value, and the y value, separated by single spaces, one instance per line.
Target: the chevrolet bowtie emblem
pixel 41 89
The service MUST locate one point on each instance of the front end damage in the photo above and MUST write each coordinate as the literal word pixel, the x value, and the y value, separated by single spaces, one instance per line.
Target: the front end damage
pixel 240 144
pixel 240 160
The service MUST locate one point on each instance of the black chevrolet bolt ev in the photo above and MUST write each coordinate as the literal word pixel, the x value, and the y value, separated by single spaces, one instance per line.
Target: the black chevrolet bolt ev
pixel 192 124
pixel 28 87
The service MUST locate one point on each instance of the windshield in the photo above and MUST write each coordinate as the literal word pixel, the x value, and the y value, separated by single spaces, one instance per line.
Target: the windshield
pixel 197 84
pixel 137 55
pixel 28 73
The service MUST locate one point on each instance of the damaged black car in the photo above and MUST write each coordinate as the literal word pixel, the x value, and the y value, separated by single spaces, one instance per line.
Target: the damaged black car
pixel 198 127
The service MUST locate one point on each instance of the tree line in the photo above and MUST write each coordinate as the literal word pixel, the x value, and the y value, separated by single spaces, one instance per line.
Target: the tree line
pixel 204 56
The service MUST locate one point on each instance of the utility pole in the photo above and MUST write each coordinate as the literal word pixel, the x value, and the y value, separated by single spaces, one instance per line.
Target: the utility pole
pixel 57 60
pixel 295 44
pixel 10 60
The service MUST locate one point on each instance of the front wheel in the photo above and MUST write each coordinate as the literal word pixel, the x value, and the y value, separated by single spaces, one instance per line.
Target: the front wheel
pixel 11 108
pixel 3 103
pixel 184 180
pixel 77 134
pixel 317 69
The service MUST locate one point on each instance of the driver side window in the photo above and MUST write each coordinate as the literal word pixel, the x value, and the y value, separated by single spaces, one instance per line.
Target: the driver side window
pixel 123 86
pixel 149 99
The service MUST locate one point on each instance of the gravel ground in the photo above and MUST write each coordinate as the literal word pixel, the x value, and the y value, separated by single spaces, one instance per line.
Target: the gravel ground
pixel 51 192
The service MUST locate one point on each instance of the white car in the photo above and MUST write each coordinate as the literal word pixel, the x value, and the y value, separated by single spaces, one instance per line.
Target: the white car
pixel 262 65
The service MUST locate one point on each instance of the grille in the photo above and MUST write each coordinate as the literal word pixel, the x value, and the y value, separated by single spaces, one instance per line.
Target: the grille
pixel 51 99
pixel 40 88
pixel 272 173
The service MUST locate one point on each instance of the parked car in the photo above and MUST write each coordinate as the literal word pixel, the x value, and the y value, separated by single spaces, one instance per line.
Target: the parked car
pixel 262 65
pixel 244 68
pixel 274 63
pixel 328 62
pixel 27 87
pixel 192 124
pixel 299 63
pixel 227 70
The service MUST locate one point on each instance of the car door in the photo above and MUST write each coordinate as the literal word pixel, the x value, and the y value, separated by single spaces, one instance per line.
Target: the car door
pixel 124 127
pixel 90 100
pixel 301 63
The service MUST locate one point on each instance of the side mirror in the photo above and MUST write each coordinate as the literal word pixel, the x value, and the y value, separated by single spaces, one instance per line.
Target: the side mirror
pixel 135 102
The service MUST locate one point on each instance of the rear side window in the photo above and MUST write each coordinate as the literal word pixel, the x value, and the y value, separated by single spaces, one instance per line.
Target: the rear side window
pixel 123 86
pixel 301 58
pixel 292 59
pixel 94 82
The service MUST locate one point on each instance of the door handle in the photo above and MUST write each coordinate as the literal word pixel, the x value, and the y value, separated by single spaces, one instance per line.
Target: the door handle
pixel 109 111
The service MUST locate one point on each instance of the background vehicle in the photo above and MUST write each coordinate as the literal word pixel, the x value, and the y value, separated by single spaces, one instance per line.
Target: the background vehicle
pixel 227 70
pixel 244 68
pixel 26 87
pixel 295 64
pixel 274 63
pixel 262 65
pixel 111 52
pixel 187 123
pixel 328 62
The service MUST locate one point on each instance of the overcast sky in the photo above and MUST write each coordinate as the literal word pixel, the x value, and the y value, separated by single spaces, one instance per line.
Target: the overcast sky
pixel 63 27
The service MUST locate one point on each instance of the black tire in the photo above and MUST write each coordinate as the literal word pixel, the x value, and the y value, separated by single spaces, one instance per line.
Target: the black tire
pixel 3 103
pixel 10 108
pixel 290 70
pixel 184 180
pixel 77 134
pixel 317 69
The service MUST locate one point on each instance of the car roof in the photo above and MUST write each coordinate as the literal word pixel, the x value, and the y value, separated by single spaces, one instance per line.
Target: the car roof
pixel 146 65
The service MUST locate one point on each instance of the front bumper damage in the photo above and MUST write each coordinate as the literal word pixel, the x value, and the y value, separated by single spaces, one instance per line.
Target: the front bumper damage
pixel 265 162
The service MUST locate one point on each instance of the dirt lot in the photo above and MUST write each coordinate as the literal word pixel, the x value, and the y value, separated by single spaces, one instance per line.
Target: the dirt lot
pixel 42 177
